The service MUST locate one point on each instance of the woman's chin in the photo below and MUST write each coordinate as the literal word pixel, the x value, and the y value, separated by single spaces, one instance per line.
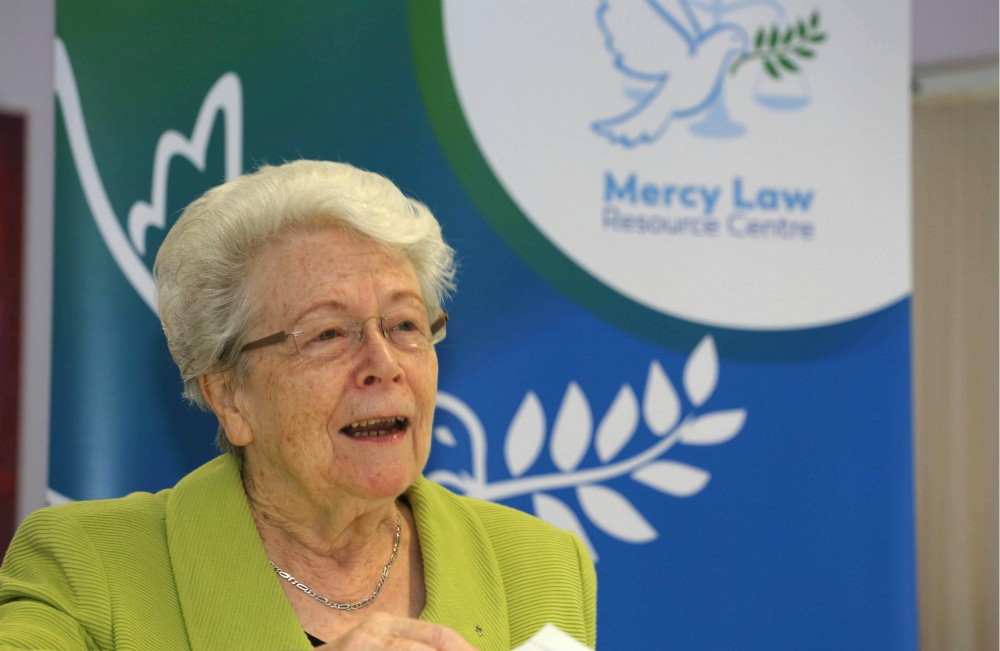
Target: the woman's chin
pixel 384 465
pixel 386 481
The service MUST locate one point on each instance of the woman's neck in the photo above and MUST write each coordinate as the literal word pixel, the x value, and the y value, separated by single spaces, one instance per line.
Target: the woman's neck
pixel 346 531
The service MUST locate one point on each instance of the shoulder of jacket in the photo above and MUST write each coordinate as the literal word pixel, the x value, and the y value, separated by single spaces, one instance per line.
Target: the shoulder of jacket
pixel 506 527
pixel 134 511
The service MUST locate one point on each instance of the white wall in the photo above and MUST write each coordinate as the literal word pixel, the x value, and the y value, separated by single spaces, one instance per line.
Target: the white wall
pixel 26 86
pixel 954 33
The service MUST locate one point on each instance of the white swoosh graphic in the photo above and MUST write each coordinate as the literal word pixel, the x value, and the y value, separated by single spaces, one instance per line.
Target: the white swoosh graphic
pixel 225 96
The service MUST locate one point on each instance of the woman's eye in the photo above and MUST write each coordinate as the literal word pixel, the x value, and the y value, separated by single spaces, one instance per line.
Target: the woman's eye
pixel 330 333
pixel 407 326
pixel 411 329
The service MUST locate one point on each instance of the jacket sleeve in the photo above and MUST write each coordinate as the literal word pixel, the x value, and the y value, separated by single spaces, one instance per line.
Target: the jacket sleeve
pixel 52 595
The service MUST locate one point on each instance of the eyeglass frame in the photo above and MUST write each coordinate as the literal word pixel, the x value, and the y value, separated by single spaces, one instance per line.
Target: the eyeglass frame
pixel 278 337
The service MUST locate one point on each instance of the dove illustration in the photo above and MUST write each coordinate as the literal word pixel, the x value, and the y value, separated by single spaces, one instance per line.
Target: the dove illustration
pixel 675 67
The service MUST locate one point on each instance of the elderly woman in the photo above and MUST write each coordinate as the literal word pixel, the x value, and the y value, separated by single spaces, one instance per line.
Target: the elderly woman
pixel 301 304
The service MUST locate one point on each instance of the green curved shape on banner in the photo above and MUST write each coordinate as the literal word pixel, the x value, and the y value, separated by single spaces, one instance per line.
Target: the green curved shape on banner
pixel 500 211
pixel 448 121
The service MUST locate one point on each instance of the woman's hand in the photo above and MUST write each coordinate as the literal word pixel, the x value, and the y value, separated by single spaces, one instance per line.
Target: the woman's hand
pixel 391 632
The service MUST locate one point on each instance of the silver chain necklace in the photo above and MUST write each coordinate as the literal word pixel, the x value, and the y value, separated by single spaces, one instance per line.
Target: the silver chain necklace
pixel 357 604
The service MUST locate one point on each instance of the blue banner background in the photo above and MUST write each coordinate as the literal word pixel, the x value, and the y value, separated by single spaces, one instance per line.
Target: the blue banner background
pixel 803 537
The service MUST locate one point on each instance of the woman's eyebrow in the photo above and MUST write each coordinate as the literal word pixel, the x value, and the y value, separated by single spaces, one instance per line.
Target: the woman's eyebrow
pixel 333 305
pixel 330 305
pixel 406 294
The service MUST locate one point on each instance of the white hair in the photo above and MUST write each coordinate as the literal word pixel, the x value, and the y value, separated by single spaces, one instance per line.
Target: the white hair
pixel 203 266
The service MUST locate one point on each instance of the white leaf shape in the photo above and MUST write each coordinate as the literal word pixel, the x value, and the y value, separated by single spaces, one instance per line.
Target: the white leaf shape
pixel 701 373
pixel 444 436
pixel 715 427
pixel 558 514
pixel 660 404
pixel 673 478
pixel 525 435
pixel 615 515
pixel 225 97
pixel 572 430
pixel 618 425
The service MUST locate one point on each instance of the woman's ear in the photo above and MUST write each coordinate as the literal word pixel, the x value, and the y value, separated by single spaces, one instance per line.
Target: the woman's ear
pixel 222 398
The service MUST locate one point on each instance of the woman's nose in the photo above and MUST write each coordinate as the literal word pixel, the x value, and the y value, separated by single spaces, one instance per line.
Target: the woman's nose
pixel 377 357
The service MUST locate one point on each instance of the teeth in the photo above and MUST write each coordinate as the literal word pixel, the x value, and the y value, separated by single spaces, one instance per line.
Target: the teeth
pixel 396 422
pixel 375 427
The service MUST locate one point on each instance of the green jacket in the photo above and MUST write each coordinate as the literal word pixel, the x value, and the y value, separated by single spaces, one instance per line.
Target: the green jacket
pixel 186 569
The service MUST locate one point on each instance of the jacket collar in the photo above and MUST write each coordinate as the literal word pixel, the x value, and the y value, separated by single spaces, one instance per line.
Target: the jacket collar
pixel 227 590
pixel 230 598
pixel 463 580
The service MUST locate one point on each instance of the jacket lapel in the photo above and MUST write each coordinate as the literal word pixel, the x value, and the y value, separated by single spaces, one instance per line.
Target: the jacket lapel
pixel 229 596
pixel 463 582
pixel 227 590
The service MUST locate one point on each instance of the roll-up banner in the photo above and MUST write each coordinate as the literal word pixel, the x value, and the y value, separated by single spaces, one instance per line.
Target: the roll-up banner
pixel 682 324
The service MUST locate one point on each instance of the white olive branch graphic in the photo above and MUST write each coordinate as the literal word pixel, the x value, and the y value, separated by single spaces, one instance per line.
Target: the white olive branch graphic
pixel 475 487
pixel 572 435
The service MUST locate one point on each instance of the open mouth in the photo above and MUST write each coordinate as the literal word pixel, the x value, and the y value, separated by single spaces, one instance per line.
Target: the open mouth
pixel 375 427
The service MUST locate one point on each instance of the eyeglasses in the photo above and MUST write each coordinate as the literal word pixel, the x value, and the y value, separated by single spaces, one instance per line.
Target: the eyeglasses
pixel 338 336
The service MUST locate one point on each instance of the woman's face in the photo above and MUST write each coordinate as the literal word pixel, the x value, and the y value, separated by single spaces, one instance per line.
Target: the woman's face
pixel 358 425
